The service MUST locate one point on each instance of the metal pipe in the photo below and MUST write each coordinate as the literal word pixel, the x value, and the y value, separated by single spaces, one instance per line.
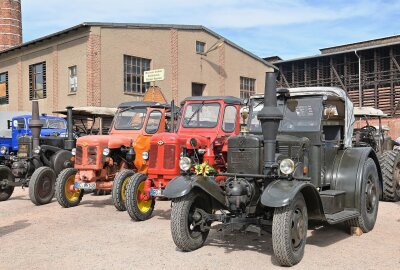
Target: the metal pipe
pixel 172 116
pixel 69 142
pixel 270 116
pixel 359 79
pixel 35 125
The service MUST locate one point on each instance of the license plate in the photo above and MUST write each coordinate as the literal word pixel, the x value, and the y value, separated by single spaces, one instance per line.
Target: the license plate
pixel 83 185
pixel 156 192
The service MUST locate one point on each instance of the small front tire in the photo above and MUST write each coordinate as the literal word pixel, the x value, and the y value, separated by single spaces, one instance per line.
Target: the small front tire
pixel 65 196
pixel 41 185
pixel 119 189
pixel 6 191
pixel 137 207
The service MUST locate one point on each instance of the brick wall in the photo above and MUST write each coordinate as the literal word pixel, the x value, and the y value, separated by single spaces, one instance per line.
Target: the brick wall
pixel 392 123
pixel 93 70
pixel 174 63
pixel 55 78
pixel 10 23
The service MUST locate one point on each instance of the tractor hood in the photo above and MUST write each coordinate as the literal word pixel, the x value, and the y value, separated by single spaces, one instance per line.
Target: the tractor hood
pixel 109 141
pixel 189 141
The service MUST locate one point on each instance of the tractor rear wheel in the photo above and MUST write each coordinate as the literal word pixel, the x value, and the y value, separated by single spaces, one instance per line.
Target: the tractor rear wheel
pixel 41 185
pixel 189 225
pixel 119 189
pixel 369 198
pixel 138 207
pixel 5 190
pixel 67 196
pixel 289 231
pixel 390 165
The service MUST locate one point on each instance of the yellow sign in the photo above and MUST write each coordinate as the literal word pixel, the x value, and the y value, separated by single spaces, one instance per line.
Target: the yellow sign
pixel 154 75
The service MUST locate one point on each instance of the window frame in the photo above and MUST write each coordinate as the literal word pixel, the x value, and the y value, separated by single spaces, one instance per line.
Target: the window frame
pixel 4 99
pixel 200 43
pixel 143 64
pixel 73 76
pixel 184 125
pixel 159 123
pixel 223 119
pixel 247 86
pixel 33 91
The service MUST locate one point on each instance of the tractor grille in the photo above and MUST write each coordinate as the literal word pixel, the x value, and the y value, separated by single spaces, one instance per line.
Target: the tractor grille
pixel 92 155
pixel 78 155
pixel 153 156
pixel 289 151
pixel 169 156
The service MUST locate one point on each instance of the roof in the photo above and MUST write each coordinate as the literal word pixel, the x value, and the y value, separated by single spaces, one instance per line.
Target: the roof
pixel 312 91
pixel 90 111
pixel 27 116
pixel 226 99
pixel 144 104
pixel 368 111
pixel 140 26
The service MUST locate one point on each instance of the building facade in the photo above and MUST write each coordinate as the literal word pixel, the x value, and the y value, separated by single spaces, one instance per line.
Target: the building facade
pixel 102 64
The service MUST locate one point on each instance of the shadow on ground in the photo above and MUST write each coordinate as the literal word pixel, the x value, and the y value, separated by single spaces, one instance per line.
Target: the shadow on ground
pixel 162 214
pixel 17 225
pixel 105 201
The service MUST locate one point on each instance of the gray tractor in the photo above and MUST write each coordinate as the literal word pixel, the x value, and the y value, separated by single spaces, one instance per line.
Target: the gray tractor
pixel 295 164
pixel 376 137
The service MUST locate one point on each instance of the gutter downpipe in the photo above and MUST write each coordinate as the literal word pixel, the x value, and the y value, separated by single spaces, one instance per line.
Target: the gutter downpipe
pixel 359 79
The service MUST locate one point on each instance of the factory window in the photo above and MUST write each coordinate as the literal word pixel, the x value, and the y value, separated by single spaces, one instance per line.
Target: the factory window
pixel 247 87
pixel 200 47
pixel 37 81
pixel 73 79
pixel 4 88
pixel 134 68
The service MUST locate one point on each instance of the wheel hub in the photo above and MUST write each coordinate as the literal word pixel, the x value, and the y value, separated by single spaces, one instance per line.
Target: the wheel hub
pixel 298 228
pixel 370 196
pixel 45 187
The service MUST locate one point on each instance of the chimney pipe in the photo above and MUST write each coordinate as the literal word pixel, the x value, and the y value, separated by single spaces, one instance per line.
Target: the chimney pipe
pixel 69 142
pixel 270 116
pixel 35 125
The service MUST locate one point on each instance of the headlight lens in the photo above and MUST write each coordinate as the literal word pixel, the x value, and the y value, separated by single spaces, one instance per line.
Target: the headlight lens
pixel 287 166
pixel 73 151
pixel 36 150
pixel 185 163
pixel 145 155
pixel 106 151
pixel 3 150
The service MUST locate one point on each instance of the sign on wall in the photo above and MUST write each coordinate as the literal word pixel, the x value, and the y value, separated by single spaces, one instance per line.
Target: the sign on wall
pixel 154 75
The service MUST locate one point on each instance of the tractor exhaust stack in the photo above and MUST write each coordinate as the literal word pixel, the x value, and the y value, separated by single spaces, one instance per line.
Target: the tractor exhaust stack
pixel 36 126
pixel 270 116
pixel 69 142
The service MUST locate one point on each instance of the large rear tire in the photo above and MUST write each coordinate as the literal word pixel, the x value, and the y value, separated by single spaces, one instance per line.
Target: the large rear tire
pixel 137 207
pixel 390 165
pixel 41 185
pixel 5 190
pixel 119 189
pixel 188 228
pixel 65 196
pixel 369 198
pixel 289 231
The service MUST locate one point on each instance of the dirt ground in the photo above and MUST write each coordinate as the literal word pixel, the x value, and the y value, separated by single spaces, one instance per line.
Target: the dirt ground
pixel 95 235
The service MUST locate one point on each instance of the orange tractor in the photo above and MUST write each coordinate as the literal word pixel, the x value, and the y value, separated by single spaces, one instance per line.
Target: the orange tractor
pixel 106 162
pixel 199 146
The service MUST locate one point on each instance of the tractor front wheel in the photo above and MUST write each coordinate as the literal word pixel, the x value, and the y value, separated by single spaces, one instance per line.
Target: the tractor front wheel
pixel 66 195
pixel 189 223
pixel 289 231
pixel 41 185
pixel 5 190
pixel 119 189
pixel 138 207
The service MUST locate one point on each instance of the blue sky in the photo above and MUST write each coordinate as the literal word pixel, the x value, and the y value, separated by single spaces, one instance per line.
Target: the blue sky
pixel 288 28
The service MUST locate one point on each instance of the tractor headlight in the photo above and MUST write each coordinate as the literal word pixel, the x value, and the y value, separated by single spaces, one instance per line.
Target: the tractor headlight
pixel 36 150
pixel 106 151
pixel 4 150
pixel 73 151
pixel 287 166
pixel 145 155
pixel 185 163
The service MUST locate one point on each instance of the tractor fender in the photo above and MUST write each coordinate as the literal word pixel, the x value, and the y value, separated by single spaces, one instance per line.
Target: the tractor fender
pixel 348 171
pixel 182 185
pixel 280 193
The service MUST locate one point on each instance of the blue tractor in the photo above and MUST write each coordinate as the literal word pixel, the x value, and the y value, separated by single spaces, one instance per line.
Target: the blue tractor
pixel 19 127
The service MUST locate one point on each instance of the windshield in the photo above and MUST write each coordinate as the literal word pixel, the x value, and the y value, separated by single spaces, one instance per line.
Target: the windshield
pixel 131 119
pixel 299 114
pixel 51 123
pixel 201 115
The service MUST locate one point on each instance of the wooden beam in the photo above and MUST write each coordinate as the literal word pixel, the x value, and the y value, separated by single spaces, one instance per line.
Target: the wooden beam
pixel 337 76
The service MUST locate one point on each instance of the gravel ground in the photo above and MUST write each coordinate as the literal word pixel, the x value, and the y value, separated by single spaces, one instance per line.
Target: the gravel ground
pixel 95 235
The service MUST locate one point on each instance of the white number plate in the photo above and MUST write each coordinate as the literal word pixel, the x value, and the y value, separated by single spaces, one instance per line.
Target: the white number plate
pixel 156 192
pixel 83 185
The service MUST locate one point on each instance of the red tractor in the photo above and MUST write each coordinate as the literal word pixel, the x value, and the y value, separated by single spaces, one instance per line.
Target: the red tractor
pixel 106 162
pixel 199 146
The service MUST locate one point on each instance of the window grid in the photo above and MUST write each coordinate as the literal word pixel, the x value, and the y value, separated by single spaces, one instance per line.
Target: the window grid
pixel 37 81
pixel 134 68
pixel 73 79
pixel 247 87
pixel 3 88
pixel 200 47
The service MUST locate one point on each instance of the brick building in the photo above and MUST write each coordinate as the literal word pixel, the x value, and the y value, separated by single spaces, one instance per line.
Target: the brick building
pixel 102 64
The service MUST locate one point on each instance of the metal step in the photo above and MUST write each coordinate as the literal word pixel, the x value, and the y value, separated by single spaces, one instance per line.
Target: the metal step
pixel 341 216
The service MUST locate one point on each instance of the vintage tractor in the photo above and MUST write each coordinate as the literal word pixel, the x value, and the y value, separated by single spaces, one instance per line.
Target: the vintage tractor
pixel 376 137
pixel 298 165
pixel 38 161
pixel 106 162
pixel 199 146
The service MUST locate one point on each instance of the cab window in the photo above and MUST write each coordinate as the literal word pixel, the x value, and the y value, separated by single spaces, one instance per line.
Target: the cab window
pixel 19 123
pixel 229 121
pixel 201 115
pixel 153 123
